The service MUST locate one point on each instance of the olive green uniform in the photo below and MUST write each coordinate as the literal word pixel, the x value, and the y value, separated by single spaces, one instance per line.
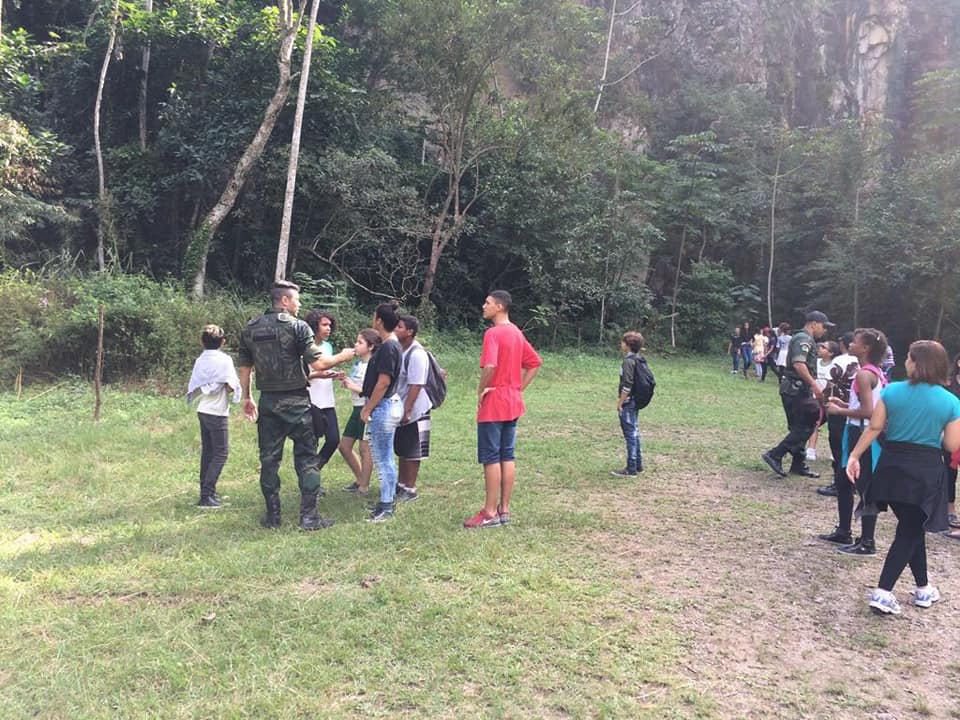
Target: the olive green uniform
pixel 799 404
pixel 276 345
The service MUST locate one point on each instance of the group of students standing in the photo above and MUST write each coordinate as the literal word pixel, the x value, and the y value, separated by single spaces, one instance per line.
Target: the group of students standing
pixel 894 445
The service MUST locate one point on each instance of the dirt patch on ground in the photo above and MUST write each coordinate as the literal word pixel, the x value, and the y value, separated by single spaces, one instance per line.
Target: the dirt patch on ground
pixel 776 621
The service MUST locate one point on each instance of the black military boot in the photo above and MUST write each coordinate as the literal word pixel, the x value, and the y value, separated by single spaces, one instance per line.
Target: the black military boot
pixel 309 517
pixel 272 517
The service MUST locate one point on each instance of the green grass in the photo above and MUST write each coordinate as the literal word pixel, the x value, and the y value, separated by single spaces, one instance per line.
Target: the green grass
pixel 120 599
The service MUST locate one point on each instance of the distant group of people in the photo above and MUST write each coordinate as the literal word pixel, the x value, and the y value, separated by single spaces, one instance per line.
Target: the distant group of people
pixel 390 383
pixel 894 445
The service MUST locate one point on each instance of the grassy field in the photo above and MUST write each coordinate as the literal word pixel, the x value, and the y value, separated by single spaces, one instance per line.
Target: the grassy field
pixel 695 591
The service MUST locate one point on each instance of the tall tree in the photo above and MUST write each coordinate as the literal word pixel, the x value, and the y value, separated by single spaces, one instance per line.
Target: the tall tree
pixel 283 245
pixel 103 225
pixel 288 24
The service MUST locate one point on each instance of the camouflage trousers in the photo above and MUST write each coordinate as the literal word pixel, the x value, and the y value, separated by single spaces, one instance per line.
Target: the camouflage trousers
pixel 285 415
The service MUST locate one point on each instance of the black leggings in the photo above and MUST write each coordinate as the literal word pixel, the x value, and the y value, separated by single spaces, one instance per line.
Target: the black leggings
pixel 846 491
pixel 909 547
pixel 325 426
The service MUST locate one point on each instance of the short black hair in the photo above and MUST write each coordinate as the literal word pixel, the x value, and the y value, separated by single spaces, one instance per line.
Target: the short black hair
pixel 846 339
pixel 212 337
pixel 502 297
pixel 282 289
pixel 410 323
pixel 314 317
pixel 387 312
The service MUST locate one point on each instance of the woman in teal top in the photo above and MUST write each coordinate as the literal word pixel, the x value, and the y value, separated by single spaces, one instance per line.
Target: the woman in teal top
pixel 921 418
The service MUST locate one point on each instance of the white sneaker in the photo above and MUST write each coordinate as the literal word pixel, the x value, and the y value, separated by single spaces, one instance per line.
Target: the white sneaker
pixel 884 602
pixel 926 596
pixel 811 454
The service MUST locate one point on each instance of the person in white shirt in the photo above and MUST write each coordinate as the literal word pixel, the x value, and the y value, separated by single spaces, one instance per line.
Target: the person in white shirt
pixel 412 440
pixel 323 403
pixel 213 380
pixel 368 341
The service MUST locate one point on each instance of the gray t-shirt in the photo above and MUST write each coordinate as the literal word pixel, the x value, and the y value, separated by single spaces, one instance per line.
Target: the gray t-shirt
pixel 413 371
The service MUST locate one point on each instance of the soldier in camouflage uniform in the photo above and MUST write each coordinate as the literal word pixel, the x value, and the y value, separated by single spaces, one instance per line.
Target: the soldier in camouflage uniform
pixel 801 397
pixel 277 345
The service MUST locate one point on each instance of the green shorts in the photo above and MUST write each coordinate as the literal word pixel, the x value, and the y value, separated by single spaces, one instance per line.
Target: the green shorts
pixel 354 427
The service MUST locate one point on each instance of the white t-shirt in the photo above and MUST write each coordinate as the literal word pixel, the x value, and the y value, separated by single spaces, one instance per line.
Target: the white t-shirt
pixel 823 373
pixel 843 361
pixel 321 390
pixel 357 373
pixel 215 403
pixel 414 367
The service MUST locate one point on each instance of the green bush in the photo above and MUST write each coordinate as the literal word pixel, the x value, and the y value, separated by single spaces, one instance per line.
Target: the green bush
pixel 151 329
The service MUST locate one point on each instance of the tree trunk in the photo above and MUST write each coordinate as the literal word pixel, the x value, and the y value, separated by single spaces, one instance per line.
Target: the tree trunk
pixel 103 204
pixel 676 290
pixel 773 221
pixel 200 242
pixel 856 260
pixel 144 75
pixel 283 247
pixel 606 56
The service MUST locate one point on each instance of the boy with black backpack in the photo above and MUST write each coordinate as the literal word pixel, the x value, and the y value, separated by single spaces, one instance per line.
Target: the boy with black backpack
pixel 635 392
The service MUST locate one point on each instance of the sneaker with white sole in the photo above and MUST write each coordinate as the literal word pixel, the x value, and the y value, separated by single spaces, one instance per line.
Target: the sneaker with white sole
pixel 926 596
pixel 884 602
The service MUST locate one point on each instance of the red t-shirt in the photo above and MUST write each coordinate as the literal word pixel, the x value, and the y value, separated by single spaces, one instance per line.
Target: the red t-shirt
pixel 505 347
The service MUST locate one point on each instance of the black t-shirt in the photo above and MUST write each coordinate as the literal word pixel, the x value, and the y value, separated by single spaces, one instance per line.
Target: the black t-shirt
pixel 386 360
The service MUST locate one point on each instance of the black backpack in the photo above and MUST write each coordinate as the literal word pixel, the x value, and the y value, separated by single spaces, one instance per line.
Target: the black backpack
pixel 436 385
pixel 643 384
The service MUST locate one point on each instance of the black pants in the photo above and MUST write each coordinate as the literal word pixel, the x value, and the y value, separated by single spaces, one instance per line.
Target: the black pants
pixel 846 492
pixel 325 426
pixel 802 414
pixel 214 449
pixel 909 547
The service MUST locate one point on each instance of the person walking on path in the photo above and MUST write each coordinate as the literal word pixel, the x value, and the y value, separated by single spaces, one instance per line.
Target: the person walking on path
pixel 630 345
pixel 921 418
pixel 276 346
pixel 801 397
pixel 508 365
pixel 383 410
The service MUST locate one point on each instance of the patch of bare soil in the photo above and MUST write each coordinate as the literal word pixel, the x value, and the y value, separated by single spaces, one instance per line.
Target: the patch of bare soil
pixel 777 621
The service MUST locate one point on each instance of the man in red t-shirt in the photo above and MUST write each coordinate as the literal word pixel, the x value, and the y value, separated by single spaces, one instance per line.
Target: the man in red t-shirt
pixel 508 364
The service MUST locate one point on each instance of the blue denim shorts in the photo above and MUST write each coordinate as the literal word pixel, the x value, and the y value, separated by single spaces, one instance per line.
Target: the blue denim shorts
pixel 496 441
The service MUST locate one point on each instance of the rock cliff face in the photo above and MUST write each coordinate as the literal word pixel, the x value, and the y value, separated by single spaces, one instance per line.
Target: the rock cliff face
pixel 819 60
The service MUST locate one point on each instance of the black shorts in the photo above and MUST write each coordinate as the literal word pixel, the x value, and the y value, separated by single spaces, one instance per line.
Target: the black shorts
pixel 412 441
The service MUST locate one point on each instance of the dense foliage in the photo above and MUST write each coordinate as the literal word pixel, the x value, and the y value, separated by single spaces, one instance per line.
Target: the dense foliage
pixel 613 166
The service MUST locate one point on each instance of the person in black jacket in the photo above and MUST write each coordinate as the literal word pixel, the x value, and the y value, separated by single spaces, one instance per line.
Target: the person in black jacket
pixel 631 345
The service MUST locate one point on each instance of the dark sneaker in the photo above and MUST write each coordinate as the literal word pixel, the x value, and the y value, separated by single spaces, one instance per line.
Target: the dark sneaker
pixel 804 471
pixel 355 489
pixel 314 522
pixel 209 503
pixel 381 513
pixel 405 494
pixel 775 464
pixel 859 549
pixel 482 520
pixel 504 516
pixel 623 473
pixel 838 536
pixel 827 490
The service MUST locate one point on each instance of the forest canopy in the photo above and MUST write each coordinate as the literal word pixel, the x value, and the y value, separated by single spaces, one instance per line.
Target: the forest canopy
pixel 671 166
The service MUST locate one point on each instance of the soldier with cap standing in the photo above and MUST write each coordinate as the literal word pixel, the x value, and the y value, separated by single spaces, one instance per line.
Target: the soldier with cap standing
pixel 801 397
pixel 277 345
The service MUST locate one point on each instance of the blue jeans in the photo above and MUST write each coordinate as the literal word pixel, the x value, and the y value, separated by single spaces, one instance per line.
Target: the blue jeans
pixel 631 433
pixel 746 352
pixel 735 356
pixel 380 431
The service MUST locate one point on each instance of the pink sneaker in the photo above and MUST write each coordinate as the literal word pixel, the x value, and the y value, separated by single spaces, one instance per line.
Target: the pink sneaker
pixel 482 520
